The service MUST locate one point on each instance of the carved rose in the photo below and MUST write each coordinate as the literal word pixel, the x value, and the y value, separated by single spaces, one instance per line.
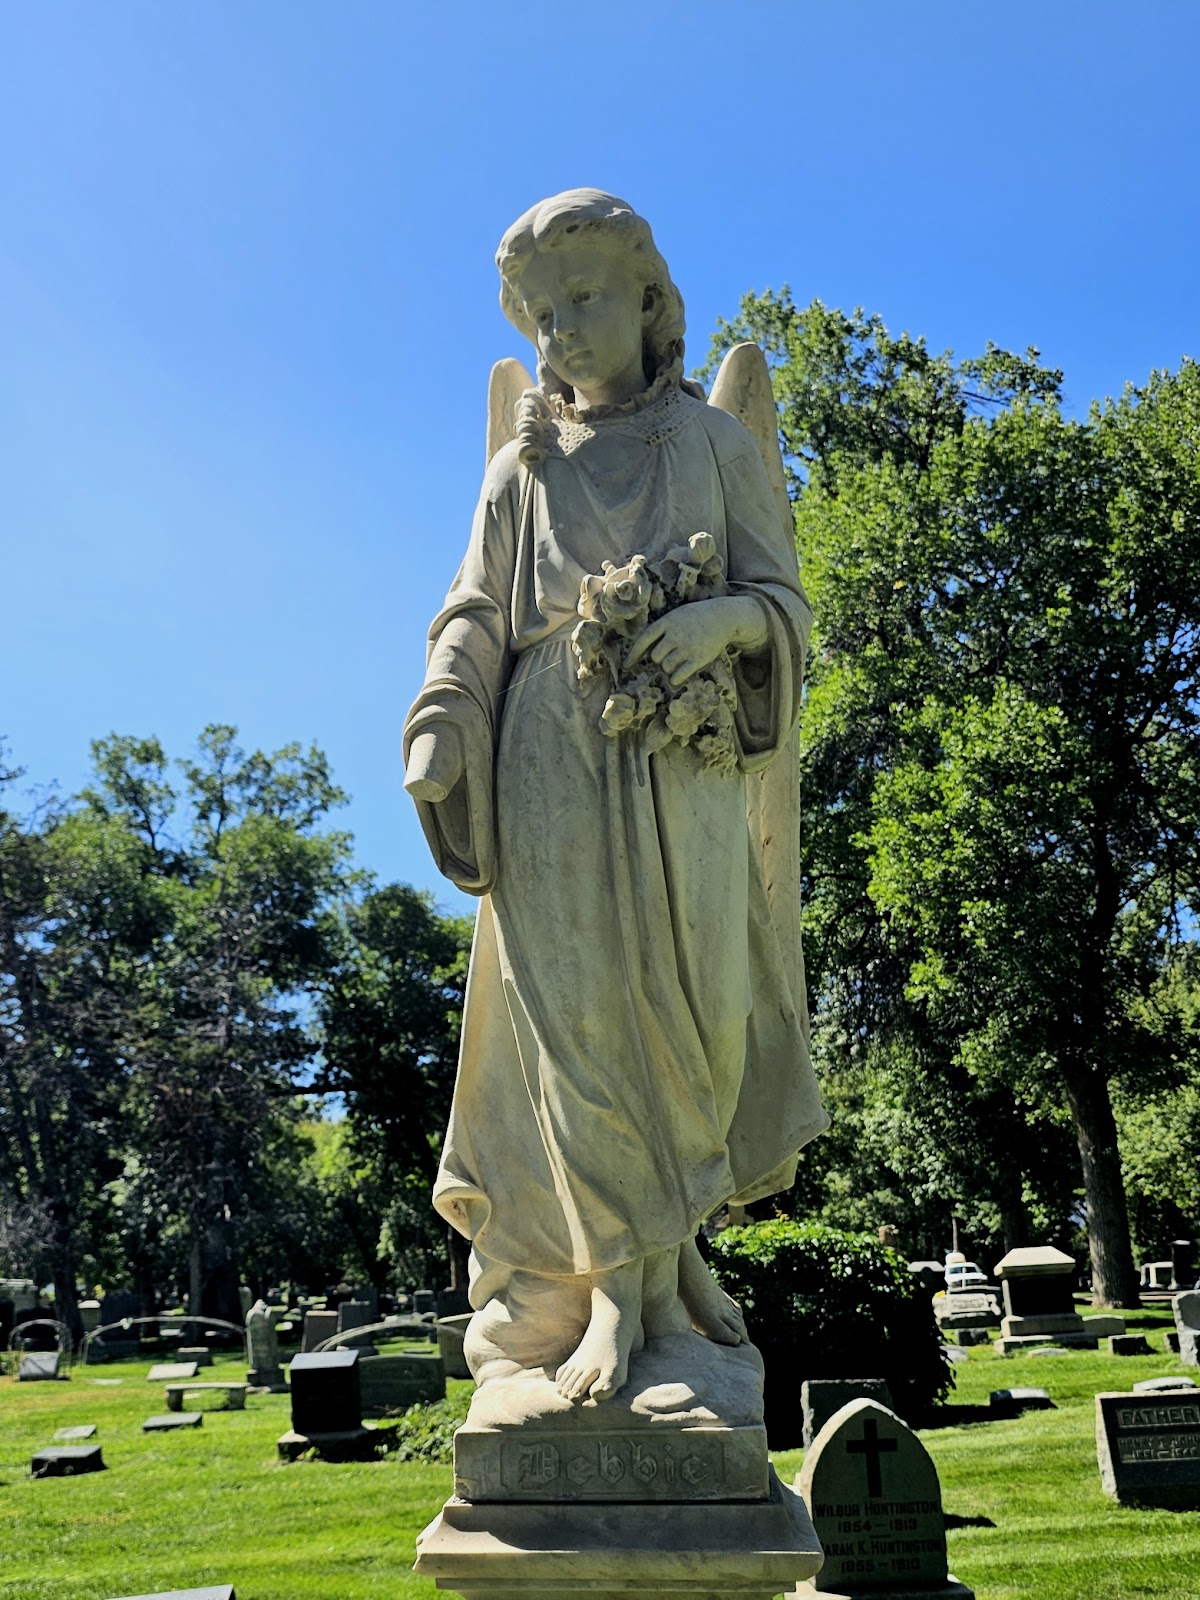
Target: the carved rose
pixel 618 714
pixel 614 606
pixel 587 641
pixel 625 591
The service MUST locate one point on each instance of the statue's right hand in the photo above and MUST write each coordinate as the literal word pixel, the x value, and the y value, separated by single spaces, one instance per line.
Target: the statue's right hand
pixel 435 764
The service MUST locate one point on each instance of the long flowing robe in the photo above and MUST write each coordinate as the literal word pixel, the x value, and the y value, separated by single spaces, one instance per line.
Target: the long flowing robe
pixel 634 1041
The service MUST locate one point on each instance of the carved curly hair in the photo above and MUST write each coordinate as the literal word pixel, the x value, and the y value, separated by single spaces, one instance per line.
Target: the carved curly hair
pixel 548 224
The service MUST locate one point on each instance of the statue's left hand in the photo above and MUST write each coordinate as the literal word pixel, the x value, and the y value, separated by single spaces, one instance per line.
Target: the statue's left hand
pixel 688 638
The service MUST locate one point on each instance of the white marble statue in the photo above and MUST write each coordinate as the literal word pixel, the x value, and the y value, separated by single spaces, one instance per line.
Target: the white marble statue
pixel 611 680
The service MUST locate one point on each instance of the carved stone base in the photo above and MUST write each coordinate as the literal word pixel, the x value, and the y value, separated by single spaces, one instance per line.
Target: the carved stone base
pixel 748 1550
pixel 653 1462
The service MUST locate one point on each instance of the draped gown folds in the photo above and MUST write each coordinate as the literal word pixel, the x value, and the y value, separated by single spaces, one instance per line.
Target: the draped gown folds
pixel 635 1040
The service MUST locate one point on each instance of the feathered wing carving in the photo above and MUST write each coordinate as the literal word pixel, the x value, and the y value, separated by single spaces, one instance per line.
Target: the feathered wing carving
pixel 743 388
pixel 508 382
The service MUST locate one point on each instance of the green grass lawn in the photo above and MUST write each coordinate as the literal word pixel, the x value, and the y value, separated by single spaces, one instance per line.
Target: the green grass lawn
pixel 215 1505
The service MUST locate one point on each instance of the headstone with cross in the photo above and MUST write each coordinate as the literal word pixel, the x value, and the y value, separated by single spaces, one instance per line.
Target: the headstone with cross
pixel 873 1494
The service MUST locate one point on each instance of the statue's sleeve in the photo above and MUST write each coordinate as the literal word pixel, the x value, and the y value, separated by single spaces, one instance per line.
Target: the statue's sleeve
pixel 762 563
pixel 467 669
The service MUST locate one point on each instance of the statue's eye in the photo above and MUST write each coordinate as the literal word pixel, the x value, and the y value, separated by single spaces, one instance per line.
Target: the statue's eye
pixel 584 296
pixel 542 316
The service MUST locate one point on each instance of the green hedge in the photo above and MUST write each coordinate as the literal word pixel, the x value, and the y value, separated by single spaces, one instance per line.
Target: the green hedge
pixel 820 1303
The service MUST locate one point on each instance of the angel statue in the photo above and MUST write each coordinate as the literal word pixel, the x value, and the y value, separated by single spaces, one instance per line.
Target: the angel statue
pixel 604 751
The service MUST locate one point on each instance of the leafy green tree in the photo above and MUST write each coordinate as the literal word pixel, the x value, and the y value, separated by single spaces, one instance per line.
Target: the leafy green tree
pixel 390 1014
pixel 217 1034
pixel 77 922
pixel 999 745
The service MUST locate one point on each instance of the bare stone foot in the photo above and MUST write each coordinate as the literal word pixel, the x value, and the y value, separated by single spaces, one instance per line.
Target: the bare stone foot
pixel 713 1312
pixel 600 1364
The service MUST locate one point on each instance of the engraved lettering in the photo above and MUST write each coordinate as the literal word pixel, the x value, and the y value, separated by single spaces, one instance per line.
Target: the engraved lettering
pixel 612 1468
pixel 537 1466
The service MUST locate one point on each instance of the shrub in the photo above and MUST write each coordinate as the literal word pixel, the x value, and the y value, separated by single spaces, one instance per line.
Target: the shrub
pixel 820 1303
pixel 426 1432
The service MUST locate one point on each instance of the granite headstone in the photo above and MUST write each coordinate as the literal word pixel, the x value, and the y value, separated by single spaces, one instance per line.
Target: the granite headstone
pixel 873 1494
pixel 1148 1449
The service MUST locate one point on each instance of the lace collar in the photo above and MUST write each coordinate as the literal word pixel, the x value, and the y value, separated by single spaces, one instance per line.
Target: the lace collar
pixel 587 415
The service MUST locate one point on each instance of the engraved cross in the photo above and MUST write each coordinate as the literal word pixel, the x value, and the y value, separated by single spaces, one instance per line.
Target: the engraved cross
pixel 872 1446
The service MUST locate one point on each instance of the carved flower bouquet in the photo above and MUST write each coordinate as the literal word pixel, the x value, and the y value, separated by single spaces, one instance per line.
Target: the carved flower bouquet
pixel 615 606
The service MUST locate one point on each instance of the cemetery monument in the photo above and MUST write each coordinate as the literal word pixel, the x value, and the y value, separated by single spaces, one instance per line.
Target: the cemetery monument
pixel 604 752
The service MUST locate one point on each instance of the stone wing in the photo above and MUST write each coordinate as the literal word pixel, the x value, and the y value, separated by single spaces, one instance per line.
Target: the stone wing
pixel 508 382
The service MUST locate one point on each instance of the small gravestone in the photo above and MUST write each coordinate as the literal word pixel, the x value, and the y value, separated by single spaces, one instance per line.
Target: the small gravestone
pixel 89 1314
pixel 1013 1401
pixel 172 1372
pixel 68 1461
pixel 264 1371
pixel 1157 1274
pixel 1186 1310
pixel 318 1326
pixel 970 1336
pixel 873 1494
pixel 1171 1341
pixel 1129 1344
pixel 353 1314
pixel 451 1334
pixel 246 1299
pixel 223 1591
pixel 395 1382
pixel 1148 1449
pixel 172 1420
pixel 199 1353
pixel 86 1430
pixel 1045 1350
pixel 821 1397
pixel 327 1408
pixel 1162 1385
pixel 38 1367
pixel 424 1303
pixel 108 1383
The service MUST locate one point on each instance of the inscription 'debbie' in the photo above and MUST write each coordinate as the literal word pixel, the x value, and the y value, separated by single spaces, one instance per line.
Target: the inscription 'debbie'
pixel 620 1466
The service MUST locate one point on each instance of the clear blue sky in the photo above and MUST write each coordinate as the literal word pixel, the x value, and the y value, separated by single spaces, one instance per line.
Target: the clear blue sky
pixel 248 305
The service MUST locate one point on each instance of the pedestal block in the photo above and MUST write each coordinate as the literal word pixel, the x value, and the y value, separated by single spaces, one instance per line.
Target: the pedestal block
pixel 747 1550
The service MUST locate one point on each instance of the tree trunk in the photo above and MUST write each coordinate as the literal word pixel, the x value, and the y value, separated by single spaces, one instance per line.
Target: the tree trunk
pixel 219 1276
pixel 66 1294
pixel 1014 1219
pixel 1114 1278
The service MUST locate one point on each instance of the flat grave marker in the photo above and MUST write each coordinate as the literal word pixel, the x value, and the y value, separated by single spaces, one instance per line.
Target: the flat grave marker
pixel 173 1419
pixel 223 1591
pixel 86 1430
pixel 172 1372
pixel 68 1461
pixel 1011 1401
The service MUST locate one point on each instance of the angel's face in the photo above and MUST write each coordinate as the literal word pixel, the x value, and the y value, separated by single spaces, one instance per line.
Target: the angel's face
pixel 588 311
